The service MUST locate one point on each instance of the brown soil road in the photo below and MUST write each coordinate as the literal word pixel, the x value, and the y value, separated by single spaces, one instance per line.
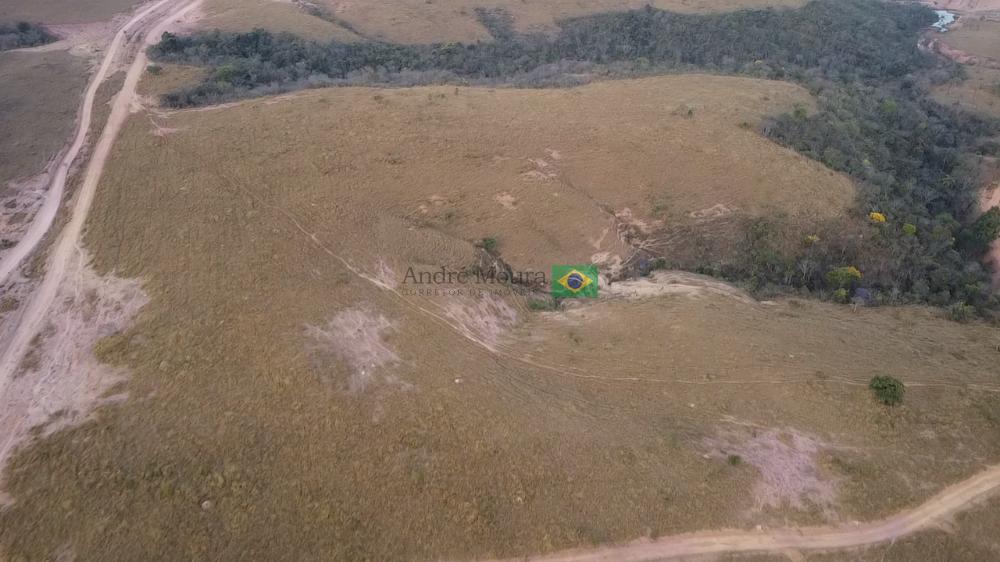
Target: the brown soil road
pixel 951 500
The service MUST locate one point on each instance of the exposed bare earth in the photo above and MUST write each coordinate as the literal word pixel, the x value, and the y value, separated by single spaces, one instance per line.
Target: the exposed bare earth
pixel 61 376
pixel 969 536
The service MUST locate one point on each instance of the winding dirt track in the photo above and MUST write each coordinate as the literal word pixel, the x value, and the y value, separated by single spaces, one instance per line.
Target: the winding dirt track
pixel 68 242
pixel 952 500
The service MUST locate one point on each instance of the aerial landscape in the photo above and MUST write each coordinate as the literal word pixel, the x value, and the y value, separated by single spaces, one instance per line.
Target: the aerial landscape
pixel 500 280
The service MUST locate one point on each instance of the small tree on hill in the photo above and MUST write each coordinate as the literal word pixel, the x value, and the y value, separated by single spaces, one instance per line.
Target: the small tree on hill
pixel 888 390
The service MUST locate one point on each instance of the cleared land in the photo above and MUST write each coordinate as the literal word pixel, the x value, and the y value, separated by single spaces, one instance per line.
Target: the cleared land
pixel 292 397
pixel 420 21
pixel 63 12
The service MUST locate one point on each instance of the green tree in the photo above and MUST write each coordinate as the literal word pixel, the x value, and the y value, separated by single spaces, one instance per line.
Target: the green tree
pixel 888 390
pixel 981 233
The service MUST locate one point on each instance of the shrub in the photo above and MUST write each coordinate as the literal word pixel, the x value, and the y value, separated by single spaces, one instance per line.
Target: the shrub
pixel 961 312
pixel 843 277
pixel 840 295
pixel 154 69
pixel 981 233
pixel 543 304
pixel 876 217
pixel 888 390
pixel 909 229
pixel 23 34
pixel 489 244
pixel 735 460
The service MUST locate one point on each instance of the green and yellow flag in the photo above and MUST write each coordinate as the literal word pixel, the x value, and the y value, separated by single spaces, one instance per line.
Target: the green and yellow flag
pixel 571 281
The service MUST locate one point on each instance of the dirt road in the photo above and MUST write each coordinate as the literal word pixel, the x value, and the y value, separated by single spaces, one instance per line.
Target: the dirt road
pixel 951 500
pixel 47 213
pixel 67 246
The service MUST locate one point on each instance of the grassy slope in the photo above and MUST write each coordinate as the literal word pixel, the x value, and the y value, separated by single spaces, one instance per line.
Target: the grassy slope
pixel 977 36
pixel 61 11
pixel 245 15
pixel 474 452
pixel 418 21
pixel 39 94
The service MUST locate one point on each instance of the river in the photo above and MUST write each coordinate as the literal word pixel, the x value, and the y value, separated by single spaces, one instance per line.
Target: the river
pixel 945 18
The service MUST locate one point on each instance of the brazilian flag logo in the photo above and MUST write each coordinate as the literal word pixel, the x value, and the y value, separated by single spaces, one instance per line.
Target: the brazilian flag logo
pixel 571 281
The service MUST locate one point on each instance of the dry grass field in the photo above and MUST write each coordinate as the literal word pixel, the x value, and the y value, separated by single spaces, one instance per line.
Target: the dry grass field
pixel 167 78
pixel 977 35
pixel 424 21
pixel 63 11
pixel 976 40
pixel 293 397
pixel 39 96
pixel 970 537
pixel 552 174
pixel 273 15
pixel 979 92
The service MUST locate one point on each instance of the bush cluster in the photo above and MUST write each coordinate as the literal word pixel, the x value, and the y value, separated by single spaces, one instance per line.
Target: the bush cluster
pixel 888 390
pixel 23 34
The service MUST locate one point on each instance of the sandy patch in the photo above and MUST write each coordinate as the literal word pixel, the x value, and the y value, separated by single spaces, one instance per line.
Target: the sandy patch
pixel 61 382
pixel 356 337
pixel 507 200
pixel 786 460
pixel 18 204
pixel 485 318
pixel 661 283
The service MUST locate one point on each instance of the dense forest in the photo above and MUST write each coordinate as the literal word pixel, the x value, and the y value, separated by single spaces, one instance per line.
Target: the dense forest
pixel 23 34
pixel 913 159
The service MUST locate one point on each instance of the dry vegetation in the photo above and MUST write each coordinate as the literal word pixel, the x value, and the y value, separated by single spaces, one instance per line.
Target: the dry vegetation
pixel 979 92
pixel 61 11
pixel 970 537
pixel 423 21
pixel 419 21
pixel 273 15
pixel 162 78
pixel 527 167
pixel 977 35
pixel 39 95
pixel 454 425
pixel 977 40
